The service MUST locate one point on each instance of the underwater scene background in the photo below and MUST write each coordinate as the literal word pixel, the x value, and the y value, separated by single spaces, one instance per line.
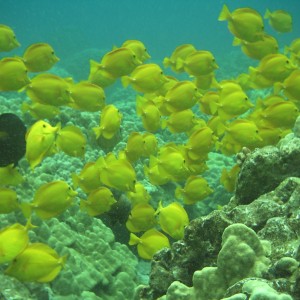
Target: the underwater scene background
pixel 218 187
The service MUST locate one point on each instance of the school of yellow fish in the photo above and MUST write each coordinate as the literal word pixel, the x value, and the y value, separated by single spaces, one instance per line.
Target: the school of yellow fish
pixel 233 121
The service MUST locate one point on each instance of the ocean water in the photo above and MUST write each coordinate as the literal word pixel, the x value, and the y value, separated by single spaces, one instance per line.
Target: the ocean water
pixel 80 30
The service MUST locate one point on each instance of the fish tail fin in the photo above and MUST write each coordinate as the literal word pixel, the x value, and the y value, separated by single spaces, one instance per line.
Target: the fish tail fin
pixel 26 210
pixel 224 14
pixel 133 240
pixel 125 81
pixel 75 180
pixel 179 63
pixel 178 192
pixel 267 14
pixel 166 62
pixel 278 86
pixel 236 41
pixel 97 131
pixel 25 107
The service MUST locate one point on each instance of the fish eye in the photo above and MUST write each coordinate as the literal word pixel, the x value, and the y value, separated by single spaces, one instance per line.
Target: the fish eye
pixel 145 50
pixel 134 56
pixel 256 131
pixel 52 52
pixel 246 98
pixel 44 126
pixel 287 61
pixel 161 72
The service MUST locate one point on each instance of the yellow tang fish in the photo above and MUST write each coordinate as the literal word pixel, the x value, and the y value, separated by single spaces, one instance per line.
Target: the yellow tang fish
pixel 172 219
pixel 87 96
pixel 228 178
pixel 150 144
pixel 171 81
pixel 117 173
pixel 208 102
pixel 99 76
pixel 180 52
pixel 140 196
pixel 281 114
pixel 154 174
pixel 147 78
pixel 280 20
pixel 181 121
pixel 273 68
pixel 88 179
pixel 244 23
pixel 205 82
pixel 217 125
pixel 71 141
pixel 8 201
pixel 233 105
pixel 13 240
pixel 49 89
pixel 195 189
pixel 200 143
pixel 244 132
pixel 40 111
pixel 110 122
pixel 40 139
pixel 138 48
pixel 50 200
pixel 149 113
pixel 135 146
pixel 258 49
pixel 119 62
pixel 8 40
pixel 198 63
pixel 290 86
pixel 39 57
pixel 98 202
pixel 171 162
pixel 37 263
pixel 10 175
pixel 181 96
pixel 13 74
pixel 141 218
pixel 149 243
pixel 294 47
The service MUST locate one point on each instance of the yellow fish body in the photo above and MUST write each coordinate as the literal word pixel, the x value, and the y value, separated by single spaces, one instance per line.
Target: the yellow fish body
pixel 49 89
pixel 199 63
pixel 244 23
pixel 110 122
pixel 181 96
pixel 138 48
pixel 71 141
pixel 99 76
pixel 290 86
pixel 149 113
pixel 134 147
pixel 88 179
pixel 141 218
pixel 181 121
pixel 40 139
pixel 196 189
pixel 153 173
pixel 13 240
pixel 173 219
pixel 117 173
pixel 50 200
pixel 228 178
pixel 13 74
pixel 8 40
pixel 37 263
pixel 180 52
pixel 147 78
pixel 200 143
pixel 259 49
pixel 208 103
pixel 119 62
pixel 8 201
pixel 39 57
pixel 87 96
pixel 98 202
pixel 273 68
pixel 40 111
pixel 10 175
pixel 149 243
pixel 140 196
pixel 280 20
